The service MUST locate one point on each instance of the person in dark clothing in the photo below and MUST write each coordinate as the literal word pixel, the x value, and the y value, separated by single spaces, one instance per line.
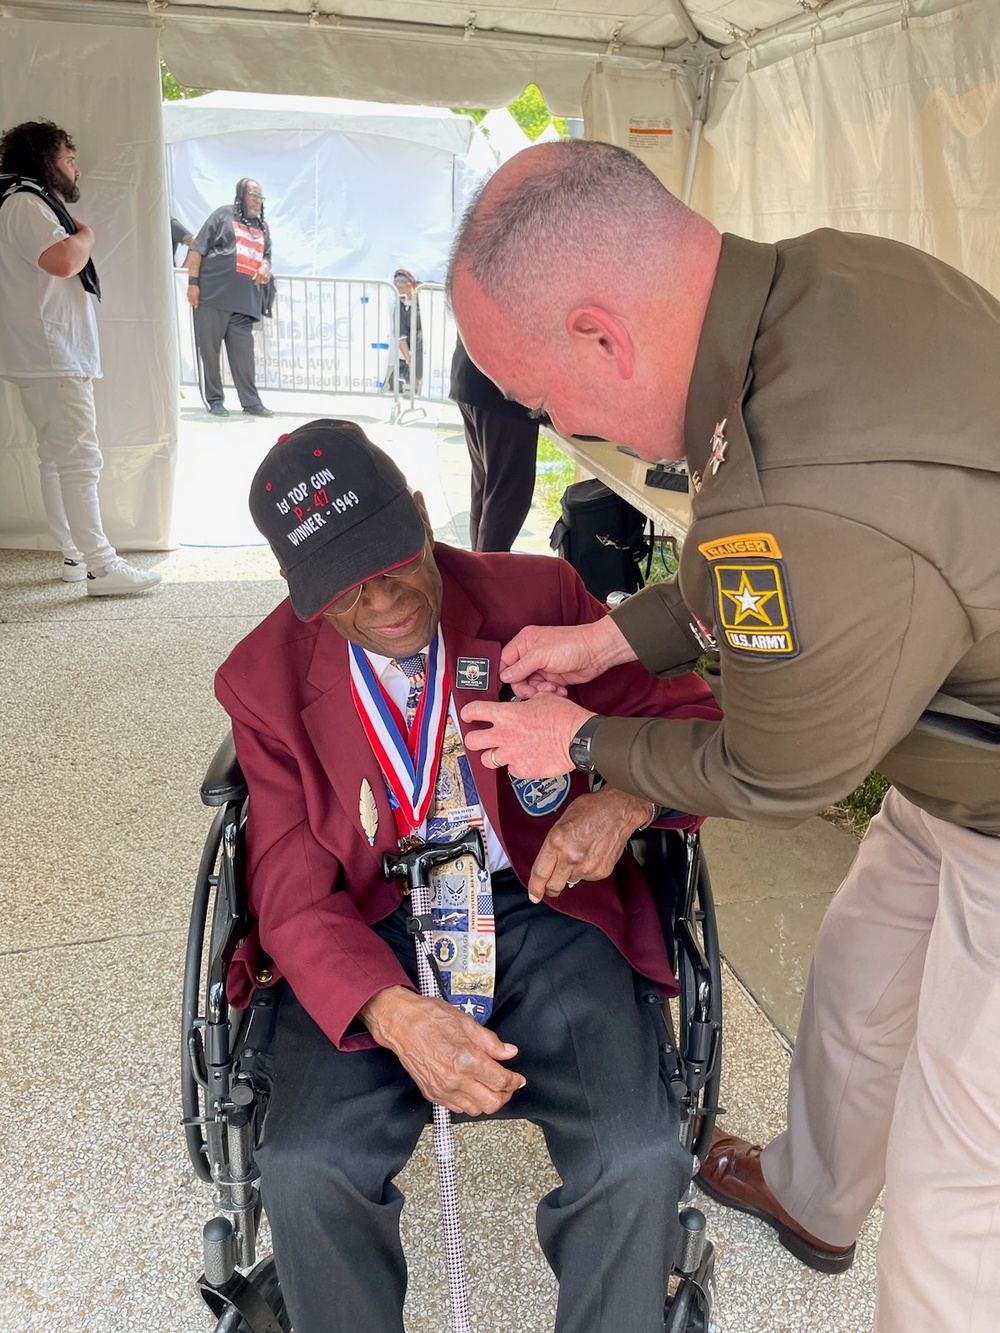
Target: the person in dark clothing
pixel 502 438
pixel 179 235
pixel 411 341
pixel 229 289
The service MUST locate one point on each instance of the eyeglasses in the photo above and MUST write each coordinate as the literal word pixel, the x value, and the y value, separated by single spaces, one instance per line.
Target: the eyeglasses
pixel 340 606
pixel 252 194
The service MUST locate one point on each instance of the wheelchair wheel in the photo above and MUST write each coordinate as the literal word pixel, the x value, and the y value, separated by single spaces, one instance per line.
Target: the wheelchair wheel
pixel 263 1278
pixel 701 1014
pixel 191 1005
pixel 689 1310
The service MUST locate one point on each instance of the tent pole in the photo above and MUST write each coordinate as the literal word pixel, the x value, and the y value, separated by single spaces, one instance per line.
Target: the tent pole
pixel 701 100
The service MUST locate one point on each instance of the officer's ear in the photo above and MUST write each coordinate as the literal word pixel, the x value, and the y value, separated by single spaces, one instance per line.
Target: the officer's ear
pixel 602 338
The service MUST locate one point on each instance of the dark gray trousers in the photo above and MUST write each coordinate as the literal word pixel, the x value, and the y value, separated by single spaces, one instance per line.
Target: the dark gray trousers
pixel 341 1125
pixel 502 452
pixel 212 328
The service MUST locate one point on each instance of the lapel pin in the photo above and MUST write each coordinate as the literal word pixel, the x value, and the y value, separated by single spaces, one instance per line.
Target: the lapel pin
pixel 473 673
pixel 368 811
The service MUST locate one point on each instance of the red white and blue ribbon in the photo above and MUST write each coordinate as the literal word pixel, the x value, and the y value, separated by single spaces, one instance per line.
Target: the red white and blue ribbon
pixel 409 761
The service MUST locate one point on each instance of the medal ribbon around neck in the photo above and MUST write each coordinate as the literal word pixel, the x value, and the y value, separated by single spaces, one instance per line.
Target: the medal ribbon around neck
pixel 409 762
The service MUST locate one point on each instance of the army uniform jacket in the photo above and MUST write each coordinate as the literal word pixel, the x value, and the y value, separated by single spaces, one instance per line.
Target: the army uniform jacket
pixel 843 420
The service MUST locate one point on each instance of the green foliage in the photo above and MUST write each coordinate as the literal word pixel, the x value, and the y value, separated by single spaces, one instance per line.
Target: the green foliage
pixel 172 91
pixel 858 809
pixel 555 470
pixel 477 113
pixel 529 110
pixel 663 565
pixel 532 114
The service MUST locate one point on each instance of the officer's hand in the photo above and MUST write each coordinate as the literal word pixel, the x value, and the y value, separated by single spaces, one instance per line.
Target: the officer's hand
pixel 531 738
pixel 194 297
pixel 587 841
pixel 451 1058
pixel 551 657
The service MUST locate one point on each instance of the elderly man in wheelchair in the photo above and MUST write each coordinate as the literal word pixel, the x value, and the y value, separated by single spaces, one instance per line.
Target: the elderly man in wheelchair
pixel 345 705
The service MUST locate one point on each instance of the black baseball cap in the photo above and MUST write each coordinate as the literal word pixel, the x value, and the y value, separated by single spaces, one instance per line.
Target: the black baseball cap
pixel 335 510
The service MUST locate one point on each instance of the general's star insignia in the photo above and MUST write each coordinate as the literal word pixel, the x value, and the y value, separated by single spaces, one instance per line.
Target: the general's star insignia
pixel 719 443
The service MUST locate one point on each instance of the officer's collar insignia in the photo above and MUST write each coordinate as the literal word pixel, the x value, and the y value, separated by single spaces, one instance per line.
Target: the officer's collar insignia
pixel 719 444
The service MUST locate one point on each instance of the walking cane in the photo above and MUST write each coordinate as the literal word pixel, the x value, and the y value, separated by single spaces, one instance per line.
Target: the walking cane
pixel 414 867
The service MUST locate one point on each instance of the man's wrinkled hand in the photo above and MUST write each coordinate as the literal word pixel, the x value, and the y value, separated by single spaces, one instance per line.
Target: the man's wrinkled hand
pixel 530 738
pixel 548 658
pixel 587 841
pixel 452 1059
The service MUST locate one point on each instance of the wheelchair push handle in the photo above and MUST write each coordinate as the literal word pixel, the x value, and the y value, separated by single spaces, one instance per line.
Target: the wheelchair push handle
pixel 414 865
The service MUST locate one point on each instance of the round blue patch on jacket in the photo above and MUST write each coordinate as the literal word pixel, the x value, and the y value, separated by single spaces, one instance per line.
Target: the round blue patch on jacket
pixel 540 796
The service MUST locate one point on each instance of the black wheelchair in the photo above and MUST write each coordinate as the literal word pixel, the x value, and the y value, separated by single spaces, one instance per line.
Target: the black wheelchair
pixel 220 1101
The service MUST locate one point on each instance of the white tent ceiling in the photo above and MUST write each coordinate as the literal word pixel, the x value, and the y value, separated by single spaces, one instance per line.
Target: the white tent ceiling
pixel 442 52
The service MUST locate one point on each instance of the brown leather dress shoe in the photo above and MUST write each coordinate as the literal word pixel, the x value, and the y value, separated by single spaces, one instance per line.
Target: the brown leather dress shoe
pixel 731 1174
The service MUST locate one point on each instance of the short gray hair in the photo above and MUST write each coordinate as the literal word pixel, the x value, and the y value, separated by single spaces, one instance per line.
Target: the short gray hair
pixel 594 202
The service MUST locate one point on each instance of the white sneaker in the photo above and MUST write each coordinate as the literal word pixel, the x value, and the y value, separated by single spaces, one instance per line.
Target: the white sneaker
pixel 119 577
pixel 73 571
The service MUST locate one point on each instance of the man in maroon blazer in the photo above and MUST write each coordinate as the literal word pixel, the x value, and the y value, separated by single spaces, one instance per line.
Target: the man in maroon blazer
pixel 358 1053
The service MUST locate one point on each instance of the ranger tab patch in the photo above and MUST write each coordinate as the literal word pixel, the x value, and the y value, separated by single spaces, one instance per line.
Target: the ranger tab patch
pixel 750 592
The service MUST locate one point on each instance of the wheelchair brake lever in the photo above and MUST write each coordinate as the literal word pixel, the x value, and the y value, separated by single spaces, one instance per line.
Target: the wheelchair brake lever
pixel 196 1057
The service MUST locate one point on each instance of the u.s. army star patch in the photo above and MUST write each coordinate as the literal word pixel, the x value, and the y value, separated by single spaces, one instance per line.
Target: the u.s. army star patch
pixel 750 591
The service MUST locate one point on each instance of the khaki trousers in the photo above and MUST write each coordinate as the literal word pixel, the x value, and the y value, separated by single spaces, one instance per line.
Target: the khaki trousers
pixel 895 1077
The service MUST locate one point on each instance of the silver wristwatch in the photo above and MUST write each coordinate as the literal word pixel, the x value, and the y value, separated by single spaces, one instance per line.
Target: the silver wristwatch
pixel 580 745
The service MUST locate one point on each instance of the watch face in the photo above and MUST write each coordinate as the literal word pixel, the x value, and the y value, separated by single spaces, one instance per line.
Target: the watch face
pixel 579 752
pixel 579 746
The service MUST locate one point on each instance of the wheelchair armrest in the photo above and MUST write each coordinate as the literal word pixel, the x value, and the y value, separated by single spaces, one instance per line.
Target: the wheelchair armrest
pixel 224 781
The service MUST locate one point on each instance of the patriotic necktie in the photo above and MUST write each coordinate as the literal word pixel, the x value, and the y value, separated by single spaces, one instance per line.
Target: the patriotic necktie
pixel 462 921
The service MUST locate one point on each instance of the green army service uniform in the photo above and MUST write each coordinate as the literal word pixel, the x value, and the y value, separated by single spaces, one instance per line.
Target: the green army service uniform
pixel 843 420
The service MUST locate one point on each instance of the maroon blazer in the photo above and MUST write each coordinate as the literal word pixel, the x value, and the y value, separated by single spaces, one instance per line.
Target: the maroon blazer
pixel 316 885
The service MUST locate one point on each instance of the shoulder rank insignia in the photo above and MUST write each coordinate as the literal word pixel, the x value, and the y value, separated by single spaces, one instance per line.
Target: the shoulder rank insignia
pixel 750 592
pixel 719 445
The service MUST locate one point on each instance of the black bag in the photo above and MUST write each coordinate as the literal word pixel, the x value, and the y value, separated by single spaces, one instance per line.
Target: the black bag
pixel 603 538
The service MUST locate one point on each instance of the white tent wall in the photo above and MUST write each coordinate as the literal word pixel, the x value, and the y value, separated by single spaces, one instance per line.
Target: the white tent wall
pixel 646 111
pixel 101 82
pixel 346 206
pixel 347 196
pixel 894 132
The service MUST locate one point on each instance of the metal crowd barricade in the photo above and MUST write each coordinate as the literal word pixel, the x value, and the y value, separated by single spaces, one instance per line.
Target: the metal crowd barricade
pixel 326 335
pixel 438 333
